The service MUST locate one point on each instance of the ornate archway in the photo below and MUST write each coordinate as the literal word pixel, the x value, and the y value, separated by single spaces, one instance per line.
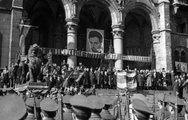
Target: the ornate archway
pixel 49 17
pixel 137 37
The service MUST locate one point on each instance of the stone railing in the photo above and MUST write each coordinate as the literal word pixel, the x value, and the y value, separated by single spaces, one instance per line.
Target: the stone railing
pixel 179 39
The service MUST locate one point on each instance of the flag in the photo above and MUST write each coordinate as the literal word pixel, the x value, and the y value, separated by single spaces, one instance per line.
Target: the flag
pixel 126 80
pixel 80 76
pixel 77 75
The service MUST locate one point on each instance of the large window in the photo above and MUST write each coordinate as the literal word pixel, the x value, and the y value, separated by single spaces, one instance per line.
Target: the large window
pixel 183 56
pixel 176 55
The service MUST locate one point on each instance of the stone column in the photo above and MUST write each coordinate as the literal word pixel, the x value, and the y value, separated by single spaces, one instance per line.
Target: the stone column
pixel 156 49
pixel 165 33
pixel 72 41
pixel 118 44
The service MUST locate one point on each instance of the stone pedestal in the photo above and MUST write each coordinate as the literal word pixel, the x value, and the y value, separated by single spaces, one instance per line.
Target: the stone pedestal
pixel 72 42
pixel 118 45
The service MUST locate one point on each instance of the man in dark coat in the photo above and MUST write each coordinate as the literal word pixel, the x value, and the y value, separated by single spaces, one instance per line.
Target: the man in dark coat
pixel 155 77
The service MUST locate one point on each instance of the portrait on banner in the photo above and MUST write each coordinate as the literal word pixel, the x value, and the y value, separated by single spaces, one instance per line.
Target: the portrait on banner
pixel 181 66
pixel 95 40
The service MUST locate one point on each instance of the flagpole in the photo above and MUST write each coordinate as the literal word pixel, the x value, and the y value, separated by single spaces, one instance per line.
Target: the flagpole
pixel 154 102
pixel 128 102
pixel 164 105
pixel 11 30
pixel 176 106
pixel 60 104
pixel 119 107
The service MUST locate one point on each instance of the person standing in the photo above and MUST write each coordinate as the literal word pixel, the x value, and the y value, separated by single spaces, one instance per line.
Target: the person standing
pixel 105 113
pixel 97 74
pixel 92 77
pixel 139 110
pixel 81 107
pixel 5 76
pixel 31 103
pixel 97 105
pixel 49 108
pixel 163 112
pixel 86 78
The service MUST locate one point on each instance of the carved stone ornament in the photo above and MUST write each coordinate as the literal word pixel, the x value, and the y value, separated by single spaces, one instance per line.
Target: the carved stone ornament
pixel 118 33
pixel 121 4
pixel 156 37
pixel 72 27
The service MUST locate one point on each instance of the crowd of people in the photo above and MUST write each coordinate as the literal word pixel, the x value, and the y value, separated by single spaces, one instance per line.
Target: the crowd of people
pixel 71 95
pixel 100 77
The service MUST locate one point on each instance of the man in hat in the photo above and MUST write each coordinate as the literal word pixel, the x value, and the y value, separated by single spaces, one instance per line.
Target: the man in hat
pixel 175 107
pixel 162 113
pixel 81 107
pixel 139 110
pixel 105 113
pixel 67 110
pixel 97 104
pixel 31 105
pixel 48 109
pixel 12 107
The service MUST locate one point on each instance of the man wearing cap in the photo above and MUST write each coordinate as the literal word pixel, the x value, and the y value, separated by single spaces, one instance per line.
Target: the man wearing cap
pixel 67 110
pixel 12 107
pixel 81 107
pixel 48 109
pixel 162 113
pixel 175 113
pixel 139 110
pixel 67 114
pixel 31 104
pixel 97 105
pixel 105 113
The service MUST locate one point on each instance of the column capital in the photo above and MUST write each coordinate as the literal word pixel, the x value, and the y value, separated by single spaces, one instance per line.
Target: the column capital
pixel 156 36
pixel 117 31
pixel 72 25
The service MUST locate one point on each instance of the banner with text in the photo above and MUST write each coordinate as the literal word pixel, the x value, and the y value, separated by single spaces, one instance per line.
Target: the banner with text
pixel 95 55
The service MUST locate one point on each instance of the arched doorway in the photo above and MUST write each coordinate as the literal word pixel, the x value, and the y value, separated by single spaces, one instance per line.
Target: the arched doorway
pixel 94 15
pixel 137 37
pixel 49 17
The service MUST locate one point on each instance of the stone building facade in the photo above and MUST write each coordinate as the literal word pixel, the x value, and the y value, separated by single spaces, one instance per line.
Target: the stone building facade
pixel 157 28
